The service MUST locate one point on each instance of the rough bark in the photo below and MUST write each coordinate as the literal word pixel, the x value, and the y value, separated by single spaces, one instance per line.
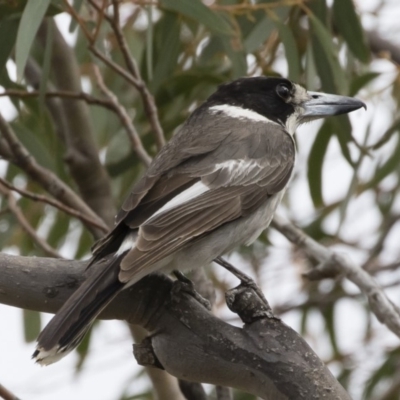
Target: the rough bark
pixel 265 357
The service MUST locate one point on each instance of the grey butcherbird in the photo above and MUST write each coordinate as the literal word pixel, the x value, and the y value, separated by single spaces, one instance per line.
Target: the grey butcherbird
pixel 213 187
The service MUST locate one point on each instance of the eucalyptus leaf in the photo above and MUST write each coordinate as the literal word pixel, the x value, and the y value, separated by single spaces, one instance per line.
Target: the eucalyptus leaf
pixel 31 19
pixel 32 325
pixel 291 51
pixel 324 46
pixel 8 35
pixel 315 163
pixel 349 25
pixel 196 10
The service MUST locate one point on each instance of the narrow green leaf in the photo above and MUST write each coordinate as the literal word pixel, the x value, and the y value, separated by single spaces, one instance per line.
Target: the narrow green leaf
pixel 325 52
pixel 387 369
pixel 149 43
pixel 291 51
pixel 15 7
pixel 323 66
pixel 77 4
pixel 353 184
pixel 168 46
pixel 387 135
pixel 36 144
pixel 212 50
pixel 349 25
pixel 59 230
pixel 8 34
pixel 32 325
pixel 196 10
pixel 83 349
pixel 360 81
pixel 328 313
pixel 46 65
pixel 262 28
pixel 315 163
pixel 311 69
pixel 259 34
pixel 391 165
pixel 31 19
pixel 319 9
pixel 342 129
pixel 237 57
pixel 85 243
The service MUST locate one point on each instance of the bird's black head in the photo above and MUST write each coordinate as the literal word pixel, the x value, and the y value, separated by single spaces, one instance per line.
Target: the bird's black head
pixel 279 100
pixel 267 96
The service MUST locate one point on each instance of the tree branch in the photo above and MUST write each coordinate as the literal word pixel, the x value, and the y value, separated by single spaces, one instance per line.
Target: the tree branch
pixel 187 340
pixel 137 81
pixel 68 210
pixel 46 178
pixel 6 394
pixel 165 386
pixel 13 207
pixel 120 110
pixel 332 263
pixel 82 153
pixel 62 94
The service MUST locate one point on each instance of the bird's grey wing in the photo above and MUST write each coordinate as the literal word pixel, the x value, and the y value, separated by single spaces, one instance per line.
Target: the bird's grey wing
pixel 230 182
pixel 162 181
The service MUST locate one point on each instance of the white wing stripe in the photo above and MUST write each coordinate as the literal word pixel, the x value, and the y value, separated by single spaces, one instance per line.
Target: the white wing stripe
pixel 240 171
pixel 192 192
pixel 127 244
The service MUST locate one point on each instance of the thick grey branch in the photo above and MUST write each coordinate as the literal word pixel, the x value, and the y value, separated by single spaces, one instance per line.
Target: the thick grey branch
pixel 265 357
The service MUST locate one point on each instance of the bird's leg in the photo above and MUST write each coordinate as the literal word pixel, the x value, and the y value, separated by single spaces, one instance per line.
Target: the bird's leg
pixel 244 279
pixel 187 285
pixel 240 302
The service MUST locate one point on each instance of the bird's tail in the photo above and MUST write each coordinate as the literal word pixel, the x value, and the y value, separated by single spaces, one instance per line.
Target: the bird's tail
pixel 68 327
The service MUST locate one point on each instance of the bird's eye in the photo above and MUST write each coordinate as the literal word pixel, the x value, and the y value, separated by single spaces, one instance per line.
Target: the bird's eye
pixel 283 92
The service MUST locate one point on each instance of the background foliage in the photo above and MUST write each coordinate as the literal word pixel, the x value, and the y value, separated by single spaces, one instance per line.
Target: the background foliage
pixel 345 193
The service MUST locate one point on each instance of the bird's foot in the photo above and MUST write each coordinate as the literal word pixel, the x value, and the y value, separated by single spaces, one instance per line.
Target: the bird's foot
pixel 185 284
pixel 255 311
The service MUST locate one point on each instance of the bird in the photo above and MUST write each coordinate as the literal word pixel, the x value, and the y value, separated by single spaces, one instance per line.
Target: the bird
pixel 213 187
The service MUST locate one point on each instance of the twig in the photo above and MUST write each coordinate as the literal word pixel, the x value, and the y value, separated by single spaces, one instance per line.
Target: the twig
pixel 99 21
pixel 321 300
pixel 375 269
pixel 6 394
pixel 60 93
pixel 56 204
pixel 384 309
pixel 46 178
pixel 124 117
pixel 81 152
pixel 386 228
pixel 246 7
pixel 147 98
pixel 119 70
pixel 81 23
pixel 12 205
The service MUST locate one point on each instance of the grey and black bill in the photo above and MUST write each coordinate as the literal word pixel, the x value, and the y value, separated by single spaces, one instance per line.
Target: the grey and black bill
pixel 213 187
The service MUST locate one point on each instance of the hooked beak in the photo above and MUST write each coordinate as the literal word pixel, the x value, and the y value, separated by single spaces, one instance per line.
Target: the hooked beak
pixel 324 105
